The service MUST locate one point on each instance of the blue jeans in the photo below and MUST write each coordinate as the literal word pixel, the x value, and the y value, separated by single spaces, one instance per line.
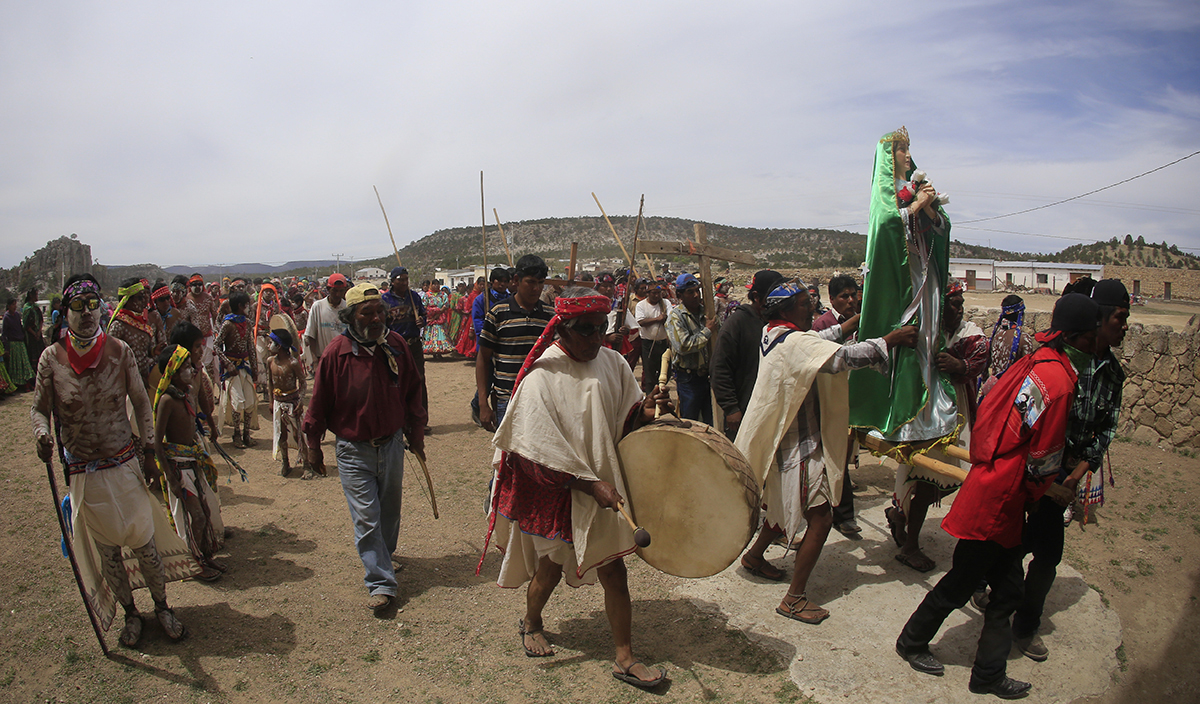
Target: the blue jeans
pixel 695 398
pixel 372 479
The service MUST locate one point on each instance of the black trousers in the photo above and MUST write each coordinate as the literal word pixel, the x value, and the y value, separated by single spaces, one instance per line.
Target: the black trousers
pixel 652 352
pixel 416 347
pixel 844 511
pixel 973 560
pixel 1043 538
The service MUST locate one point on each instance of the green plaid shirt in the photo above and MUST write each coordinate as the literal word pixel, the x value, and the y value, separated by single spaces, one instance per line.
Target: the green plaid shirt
pixel 689 339
pixel 1093 420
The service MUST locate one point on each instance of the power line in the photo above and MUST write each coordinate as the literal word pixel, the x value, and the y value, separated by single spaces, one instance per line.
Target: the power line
pixel 1082 195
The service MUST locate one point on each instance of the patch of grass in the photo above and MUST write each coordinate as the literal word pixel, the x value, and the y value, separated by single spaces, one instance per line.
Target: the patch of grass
pixel 789 693
pixel 316 669
pixel 1122 658
pixel 1144 568
pixel 9 677
pixel 241 686
pixel 372 656
pixel 1115 562
pixel 1121 586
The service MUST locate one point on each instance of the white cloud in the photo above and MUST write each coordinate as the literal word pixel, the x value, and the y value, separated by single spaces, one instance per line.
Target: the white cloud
pixel 232 132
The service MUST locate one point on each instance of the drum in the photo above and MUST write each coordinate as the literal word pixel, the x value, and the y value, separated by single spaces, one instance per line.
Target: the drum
pixel 285 322
pixel 691 489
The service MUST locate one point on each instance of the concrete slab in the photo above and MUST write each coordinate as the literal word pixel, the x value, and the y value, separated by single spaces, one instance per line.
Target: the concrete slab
pixel 851 656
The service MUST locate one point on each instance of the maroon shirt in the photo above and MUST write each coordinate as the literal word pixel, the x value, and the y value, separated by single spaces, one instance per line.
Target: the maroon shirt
pixel 355 397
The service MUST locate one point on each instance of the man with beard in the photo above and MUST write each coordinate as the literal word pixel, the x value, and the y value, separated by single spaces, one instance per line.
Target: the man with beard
pixel 84 380
pixel 367 391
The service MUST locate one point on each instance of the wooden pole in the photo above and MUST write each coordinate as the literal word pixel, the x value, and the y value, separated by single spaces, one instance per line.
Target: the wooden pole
pixel 614 231
pixel 389 227
pixel 571 266
pixel 503 237
pixel 884 447
pixel 629 279
pixel 649 266
pixel 487 289
pixel 706 287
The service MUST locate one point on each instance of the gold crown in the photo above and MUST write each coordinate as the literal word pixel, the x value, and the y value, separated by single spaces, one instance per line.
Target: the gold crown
pixel 900 135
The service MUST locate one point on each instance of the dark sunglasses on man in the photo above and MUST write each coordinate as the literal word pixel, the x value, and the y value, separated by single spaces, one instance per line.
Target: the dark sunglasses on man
pixel 78 304
pixel 586 329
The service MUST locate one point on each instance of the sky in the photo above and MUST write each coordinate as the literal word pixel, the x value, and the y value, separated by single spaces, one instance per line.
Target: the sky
pixel 224 132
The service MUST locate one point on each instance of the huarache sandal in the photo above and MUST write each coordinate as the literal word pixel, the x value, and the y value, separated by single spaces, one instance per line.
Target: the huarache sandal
pixel 918 560
pixel 207 574
pixel 762 568
pixel 132 632
pixel 530 652
pixel 801 610
pixel 174 629
pixel 626 675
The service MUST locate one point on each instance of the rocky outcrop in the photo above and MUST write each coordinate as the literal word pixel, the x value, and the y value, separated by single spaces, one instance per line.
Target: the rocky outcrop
pixel 50 266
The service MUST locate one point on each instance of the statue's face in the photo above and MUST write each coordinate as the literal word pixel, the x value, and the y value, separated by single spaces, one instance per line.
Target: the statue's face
pixel 903 162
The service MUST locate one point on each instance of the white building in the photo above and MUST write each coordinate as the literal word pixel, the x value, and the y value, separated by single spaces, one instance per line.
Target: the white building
pixel 370 272
pixel 1047 275
pixel 977 274
pixel 453 277
pixel 989 274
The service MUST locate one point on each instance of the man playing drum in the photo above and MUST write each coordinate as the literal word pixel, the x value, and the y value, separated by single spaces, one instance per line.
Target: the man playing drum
pixel 557 467
pixel 796 428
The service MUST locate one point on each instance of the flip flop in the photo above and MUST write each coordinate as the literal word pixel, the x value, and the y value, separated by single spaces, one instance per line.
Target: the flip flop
pixel 623 674
pixel 910 561
pixel 529 652
pixel 807 613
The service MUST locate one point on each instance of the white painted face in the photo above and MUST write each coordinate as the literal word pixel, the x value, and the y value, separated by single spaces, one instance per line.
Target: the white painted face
pixel 84 323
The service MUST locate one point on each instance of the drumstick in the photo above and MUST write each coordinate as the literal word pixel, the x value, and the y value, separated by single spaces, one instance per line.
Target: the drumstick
pixel 663 375
pixel 641 536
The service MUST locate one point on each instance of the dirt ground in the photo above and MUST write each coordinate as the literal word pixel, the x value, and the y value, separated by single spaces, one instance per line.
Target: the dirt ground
pixel 288 620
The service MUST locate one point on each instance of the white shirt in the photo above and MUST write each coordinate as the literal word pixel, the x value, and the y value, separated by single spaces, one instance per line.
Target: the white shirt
pixel 644 310
pixel 323 325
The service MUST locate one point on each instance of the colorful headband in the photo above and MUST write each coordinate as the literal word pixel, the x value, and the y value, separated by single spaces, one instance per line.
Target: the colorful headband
pixel 79 288
pixel 196 279
pixel 954 287
pixel 161 293
pixel 276 340
pixel 783 292
pixel 178 357
pixel 131 290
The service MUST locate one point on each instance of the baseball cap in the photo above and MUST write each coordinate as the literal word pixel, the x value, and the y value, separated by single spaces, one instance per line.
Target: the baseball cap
pixel 398 271
pixel 362 292
pixel 685 281
pixel 764 281
pixel 337 280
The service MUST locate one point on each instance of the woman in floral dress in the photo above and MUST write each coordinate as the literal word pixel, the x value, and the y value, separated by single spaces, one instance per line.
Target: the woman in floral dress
pixel 434 338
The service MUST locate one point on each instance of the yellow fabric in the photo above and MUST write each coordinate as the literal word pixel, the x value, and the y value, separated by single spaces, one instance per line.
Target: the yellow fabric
pixel 178 357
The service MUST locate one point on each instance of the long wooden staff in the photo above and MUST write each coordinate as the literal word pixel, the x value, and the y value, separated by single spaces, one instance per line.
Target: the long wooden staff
pixel 614 232
pixel 66 536
pixel 629 279
pixel 487 300
pixel 884 447
pixel 389 226
pixel 503 237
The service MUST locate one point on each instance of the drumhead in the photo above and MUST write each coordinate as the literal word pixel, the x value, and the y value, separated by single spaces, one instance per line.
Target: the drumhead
pixel 693 492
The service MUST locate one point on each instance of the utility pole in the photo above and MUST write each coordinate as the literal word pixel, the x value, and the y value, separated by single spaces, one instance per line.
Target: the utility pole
pixel 337 259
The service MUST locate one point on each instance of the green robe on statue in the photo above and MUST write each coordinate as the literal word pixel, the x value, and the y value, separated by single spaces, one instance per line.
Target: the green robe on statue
pixel 906 272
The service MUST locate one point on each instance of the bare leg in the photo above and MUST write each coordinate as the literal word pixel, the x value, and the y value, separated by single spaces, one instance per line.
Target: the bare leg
pixel 536 596
pixel 113 569
pixel 235 437
pixel 615 580
pixel 820 520
pixel 755 562
pixel 923 496
pixel 156 581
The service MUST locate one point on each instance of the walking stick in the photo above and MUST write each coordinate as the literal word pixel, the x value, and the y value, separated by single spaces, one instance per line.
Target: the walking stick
pixel 428 480
pixel 503 237
pixel 66 536
pixel 389 227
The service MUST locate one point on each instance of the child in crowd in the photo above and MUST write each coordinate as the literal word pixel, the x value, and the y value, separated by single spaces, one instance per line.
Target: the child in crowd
pixel 287 389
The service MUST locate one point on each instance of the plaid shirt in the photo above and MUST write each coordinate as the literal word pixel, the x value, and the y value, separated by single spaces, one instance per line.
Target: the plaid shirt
pixel 689 339
pixel 1093 419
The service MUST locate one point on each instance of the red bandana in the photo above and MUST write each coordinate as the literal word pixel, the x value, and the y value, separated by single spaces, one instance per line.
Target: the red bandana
pixel 564 309
pixel 135 320
pixel 82 362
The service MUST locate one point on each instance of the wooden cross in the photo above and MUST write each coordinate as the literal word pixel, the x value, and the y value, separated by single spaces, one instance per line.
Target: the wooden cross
pixel 705 251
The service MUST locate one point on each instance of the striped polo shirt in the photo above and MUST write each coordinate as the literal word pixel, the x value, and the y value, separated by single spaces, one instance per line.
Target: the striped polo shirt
pixel 510 331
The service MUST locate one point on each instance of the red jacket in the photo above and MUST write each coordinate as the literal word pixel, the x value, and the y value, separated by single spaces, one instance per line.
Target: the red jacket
pixel 1017 448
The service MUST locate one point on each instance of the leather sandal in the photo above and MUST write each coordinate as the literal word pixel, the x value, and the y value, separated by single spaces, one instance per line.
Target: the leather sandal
pixel 762 569
pixel 801 610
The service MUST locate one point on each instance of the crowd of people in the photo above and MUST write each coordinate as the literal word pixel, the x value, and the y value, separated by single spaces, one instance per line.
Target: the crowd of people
pixel 140 395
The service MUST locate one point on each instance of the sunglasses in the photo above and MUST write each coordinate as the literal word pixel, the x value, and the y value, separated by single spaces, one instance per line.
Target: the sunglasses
pixel 586 329
pixel 78 304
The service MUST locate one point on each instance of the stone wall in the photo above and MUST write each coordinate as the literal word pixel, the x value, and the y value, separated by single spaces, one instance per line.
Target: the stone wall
pixel 1185 283
pixel 1161 399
